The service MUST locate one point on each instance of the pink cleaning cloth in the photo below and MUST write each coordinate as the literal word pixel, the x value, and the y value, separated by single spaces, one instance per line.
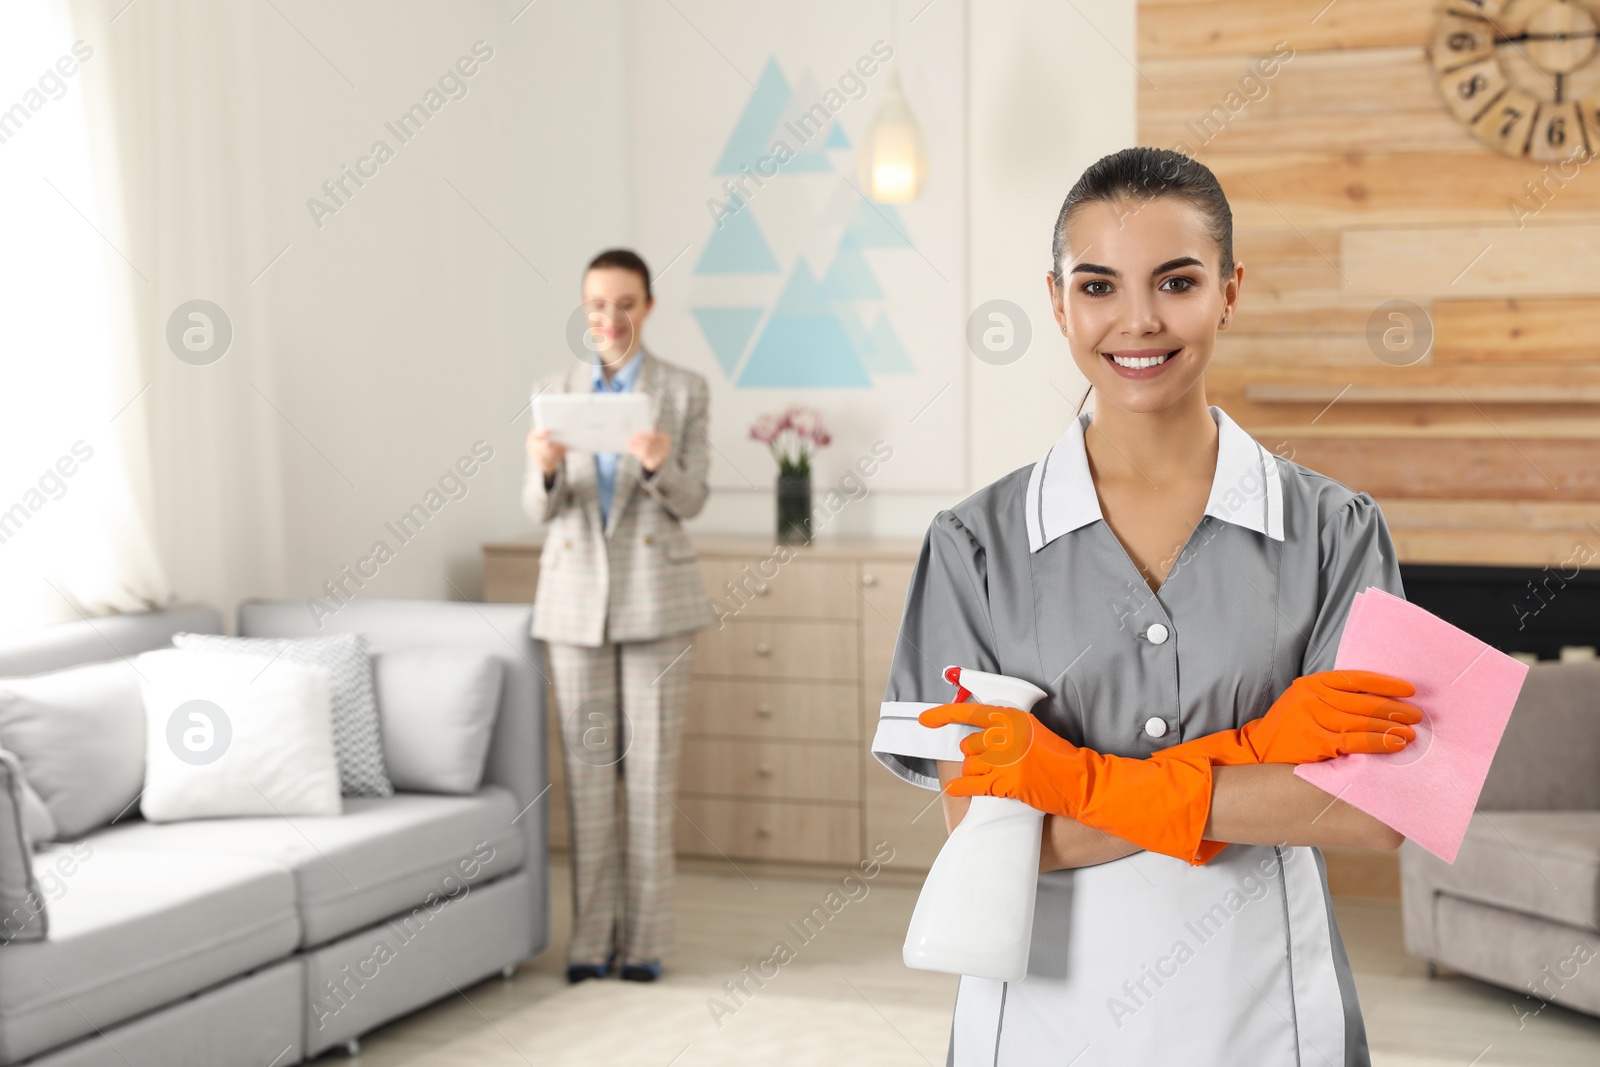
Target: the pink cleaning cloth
pixel 1465 691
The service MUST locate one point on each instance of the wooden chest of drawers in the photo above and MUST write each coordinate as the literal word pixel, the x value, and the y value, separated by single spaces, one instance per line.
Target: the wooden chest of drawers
pixel 783 705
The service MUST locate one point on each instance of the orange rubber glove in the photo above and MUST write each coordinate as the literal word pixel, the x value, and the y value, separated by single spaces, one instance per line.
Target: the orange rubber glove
pixel 1160 804
pixel 1320 716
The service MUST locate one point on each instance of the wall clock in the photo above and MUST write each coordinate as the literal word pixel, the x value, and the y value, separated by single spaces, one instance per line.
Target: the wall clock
pixel 1522 75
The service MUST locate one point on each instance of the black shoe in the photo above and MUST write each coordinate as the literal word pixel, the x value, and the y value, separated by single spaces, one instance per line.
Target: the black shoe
pixel 577 972
pixel 641 972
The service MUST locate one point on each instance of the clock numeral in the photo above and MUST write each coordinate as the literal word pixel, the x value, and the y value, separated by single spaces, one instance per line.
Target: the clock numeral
pixel 1460 42
pixel 1559 134
pixel 1511 122
pixel 1475 89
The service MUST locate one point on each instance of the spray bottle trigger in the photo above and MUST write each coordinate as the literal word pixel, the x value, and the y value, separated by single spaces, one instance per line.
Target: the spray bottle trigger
pixel 953 676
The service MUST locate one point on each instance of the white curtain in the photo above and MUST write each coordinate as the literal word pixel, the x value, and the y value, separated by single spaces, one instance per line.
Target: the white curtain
pixel 76 506
pixel 179 100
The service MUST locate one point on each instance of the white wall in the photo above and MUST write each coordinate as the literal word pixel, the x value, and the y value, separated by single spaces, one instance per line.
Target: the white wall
pixel 1050 90
pixel 380 346
pixel 1053 88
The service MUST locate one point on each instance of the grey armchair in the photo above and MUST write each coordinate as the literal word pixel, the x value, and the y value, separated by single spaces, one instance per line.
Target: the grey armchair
pixel 1520 907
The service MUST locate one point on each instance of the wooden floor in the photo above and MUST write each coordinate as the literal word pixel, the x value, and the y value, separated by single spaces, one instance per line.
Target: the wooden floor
pixel 876 1010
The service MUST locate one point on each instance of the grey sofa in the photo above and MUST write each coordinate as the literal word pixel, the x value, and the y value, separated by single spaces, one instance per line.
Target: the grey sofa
pixel 268 941
pixel 1520 907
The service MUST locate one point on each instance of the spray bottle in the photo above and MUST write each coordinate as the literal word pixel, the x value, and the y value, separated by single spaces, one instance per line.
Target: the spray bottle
pixel 975 913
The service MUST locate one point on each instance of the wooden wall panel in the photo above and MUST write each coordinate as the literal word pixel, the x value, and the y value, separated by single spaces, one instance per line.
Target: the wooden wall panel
pixel 1483 382
pixel 1293 350
pixel 1395 131
pixel 1352 185
pixel 1530 533
pixel 1245 27
pixel 1471 400
pixel 1247 104
pixel 1545 259
pixel 1493 468
pixel 1517 331
pixel 1347 190
pixel 1298 316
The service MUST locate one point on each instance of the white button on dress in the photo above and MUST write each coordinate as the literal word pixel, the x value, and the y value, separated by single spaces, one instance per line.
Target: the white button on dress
pixel 1156 727
pixel 1156 635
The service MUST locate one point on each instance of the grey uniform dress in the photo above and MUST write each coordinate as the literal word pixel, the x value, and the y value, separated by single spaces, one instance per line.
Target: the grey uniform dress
pixel 1147 960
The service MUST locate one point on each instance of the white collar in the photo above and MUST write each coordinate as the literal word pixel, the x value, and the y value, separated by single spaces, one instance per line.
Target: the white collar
pixel 1061 493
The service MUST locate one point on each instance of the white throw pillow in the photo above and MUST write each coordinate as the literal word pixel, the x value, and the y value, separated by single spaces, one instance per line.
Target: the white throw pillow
pixel 438 709
pixel 80 734
pixel 355 708
pixel 232 734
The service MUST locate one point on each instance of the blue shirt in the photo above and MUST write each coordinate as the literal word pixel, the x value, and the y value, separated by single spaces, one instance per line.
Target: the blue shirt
pixel 605 463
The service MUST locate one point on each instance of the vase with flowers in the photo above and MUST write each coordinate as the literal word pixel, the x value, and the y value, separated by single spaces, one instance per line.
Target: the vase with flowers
pixel 793 437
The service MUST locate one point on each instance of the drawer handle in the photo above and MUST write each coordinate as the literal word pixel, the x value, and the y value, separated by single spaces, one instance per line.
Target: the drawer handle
pixel 763 712
pixel 763 831
pixel 763 771
pixel 762 648
pixel 869 579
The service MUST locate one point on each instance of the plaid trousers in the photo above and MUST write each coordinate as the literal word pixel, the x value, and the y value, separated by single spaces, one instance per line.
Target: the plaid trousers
pixel 622 707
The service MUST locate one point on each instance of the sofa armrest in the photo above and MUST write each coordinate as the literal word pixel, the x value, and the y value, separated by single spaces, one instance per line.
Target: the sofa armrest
pixel 1551 747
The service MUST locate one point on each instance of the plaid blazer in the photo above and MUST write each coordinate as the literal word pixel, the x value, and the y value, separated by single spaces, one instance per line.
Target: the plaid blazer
pixel 636 579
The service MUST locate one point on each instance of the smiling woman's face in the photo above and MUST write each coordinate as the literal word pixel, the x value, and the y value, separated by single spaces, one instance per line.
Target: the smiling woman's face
pixel 1141 282
pixel 614 298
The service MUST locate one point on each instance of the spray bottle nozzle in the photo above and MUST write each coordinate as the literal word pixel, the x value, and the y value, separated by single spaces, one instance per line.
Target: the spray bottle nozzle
pixel 953 676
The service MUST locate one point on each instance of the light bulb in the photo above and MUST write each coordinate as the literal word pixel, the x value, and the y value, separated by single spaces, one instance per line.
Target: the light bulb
pixel 894 159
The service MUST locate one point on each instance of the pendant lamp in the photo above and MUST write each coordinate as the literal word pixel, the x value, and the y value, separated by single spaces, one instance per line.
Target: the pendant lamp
pixel 894 158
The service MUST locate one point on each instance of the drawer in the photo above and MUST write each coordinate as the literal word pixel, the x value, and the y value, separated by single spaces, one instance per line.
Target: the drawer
pixel 908 818
pixel 883 587
pixel 792 770
pixel 762 587
pixel 818 711
pixel 757 648
pixel 883 592
pixel 768 830
pixel 885 599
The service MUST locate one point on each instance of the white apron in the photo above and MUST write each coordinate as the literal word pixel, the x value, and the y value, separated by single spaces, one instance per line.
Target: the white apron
pixel 1148 961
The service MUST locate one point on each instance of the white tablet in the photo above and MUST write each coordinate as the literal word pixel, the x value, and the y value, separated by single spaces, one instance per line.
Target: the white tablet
pixel 593 422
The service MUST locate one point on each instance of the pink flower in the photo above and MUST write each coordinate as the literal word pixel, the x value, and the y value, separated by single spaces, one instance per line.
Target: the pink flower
pixel 792 436
pixel 806 422
pixel 765 429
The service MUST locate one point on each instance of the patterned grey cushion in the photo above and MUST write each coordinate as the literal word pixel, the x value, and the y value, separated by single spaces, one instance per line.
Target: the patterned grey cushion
pixel 356 737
